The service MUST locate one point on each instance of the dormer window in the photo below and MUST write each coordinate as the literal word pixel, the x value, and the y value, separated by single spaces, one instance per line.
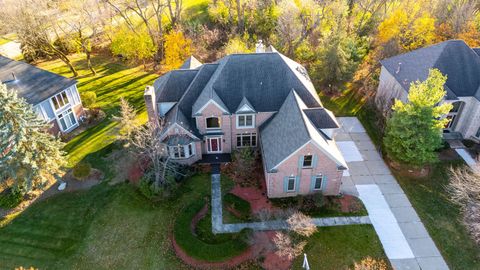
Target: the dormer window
pixel 245 121
pixel 213 122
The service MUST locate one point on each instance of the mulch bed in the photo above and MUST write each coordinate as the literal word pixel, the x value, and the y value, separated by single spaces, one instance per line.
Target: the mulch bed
pixel 231 263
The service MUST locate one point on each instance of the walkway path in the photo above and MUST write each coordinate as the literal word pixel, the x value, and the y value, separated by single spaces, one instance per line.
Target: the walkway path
pixel 219 227
pixel 406 241
pixel 463 153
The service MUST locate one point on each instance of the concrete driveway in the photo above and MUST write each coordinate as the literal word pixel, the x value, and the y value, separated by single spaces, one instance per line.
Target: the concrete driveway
pixel 406 242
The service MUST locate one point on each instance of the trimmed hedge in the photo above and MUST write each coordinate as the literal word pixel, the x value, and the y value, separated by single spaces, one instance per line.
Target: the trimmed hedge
pixel 238 204
pixel 81 170
pixel 198 249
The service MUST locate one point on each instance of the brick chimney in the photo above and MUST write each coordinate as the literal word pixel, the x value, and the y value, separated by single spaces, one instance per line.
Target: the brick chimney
pixel 151 104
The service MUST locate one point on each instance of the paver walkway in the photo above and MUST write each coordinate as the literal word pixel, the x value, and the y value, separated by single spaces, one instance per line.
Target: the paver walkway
pixel 219 227
pixel 463 153
pixel 372 181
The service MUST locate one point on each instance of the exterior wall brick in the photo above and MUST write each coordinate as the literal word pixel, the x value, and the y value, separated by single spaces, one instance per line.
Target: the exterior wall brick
pixel 260 118
pixel 225 127
pixel 324 166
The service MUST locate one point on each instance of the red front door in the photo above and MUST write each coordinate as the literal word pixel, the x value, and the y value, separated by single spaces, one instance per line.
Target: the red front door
pixel 215 145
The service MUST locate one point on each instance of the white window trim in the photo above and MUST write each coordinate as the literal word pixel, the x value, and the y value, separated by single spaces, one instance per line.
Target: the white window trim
pixel 214 128
pixel 60 124
pixel 171 151
pixel 319 176
pixel 209 146
pixel 311 162
pixel 247 134
pixel 294 182
pixel 64 107
pixel 244 115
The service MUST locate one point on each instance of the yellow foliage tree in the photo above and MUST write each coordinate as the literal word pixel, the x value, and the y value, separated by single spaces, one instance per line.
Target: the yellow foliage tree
pixel 409 27
pixel 177 49
pixel 471 35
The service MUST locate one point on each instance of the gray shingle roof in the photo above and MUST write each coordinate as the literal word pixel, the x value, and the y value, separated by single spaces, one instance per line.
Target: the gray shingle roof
pixel 288 130
pixel 33 84
pixel 172 86
pixel 265 79
pixel 454 58
pixel 191 63
pixel 321 118
pixel 243 103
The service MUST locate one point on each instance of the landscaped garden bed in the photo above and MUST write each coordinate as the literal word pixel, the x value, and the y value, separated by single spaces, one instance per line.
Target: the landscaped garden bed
pixel 193 234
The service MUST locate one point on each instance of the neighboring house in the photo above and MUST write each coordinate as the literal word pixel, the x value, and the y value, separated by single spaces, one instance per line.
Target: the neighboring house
pixel 54 97
pixel 262 100
pixel 453 58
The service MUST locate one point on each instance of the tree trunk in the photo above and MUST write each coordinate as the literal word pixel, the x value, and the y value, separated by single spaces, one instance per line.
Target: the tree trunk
pixel 65 59
pixel 89 62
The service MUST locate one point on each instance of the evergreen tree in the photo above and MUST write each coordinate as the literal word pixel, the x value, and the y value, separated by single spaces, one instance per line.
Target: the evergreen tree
pixel 414 131
pixel 28 154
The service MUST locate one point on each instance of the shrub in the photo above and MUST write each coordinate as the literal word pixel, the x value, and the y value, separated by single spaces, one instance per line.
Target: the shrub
pixel 88 99
pixel 10 198
pixel 199 249
pixel 147 188
pixel 468 143
pixel 301 224
pixel 238 204
pixel 81 170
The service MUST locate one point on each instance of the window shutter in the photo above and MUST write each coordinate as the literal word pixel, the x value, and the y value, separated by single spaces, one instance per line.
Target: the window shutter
pixel 285 184
pixel 312 182
pixel 324 182
pixel 300 162
pixel 314 161
pixel 193 148
pixel 297 183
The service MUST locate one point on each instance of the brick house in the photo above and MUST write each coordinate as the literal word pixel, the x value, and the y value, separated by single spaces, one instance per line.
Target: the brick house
pixel 263 100
pixel 456 60
pixel 54 97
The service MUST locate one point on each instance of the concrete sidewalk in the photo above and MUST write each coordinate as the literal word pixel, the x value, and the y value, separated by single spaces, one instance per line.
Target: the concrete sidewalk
pixel 271 225
pixel 372 174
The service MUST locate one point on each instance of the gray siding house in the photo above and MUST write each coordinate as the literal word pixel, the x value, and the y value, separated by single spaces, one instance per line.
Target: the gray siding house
pixel 54 97
pixel 453 58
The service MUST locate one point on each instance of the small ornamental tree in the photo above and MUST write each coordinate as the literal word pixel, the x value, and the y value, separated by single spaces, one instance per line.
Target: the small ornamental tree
pixel 414 131
pixel 28 154
pixel 126 120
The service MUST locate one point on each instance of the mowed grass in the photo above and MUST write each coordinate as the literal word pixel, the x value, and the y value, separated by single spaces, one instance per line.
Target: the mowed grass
pixel 103 228
pixel 333 248
pixel 427 195
pixel 113 81
pixel 441 218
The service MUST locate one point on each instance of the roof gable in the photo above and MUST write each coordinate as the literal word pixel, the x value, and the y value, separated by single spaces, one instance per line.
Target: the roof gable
pixel 191 63
pixel 32 83
pixel 245 107
pixel 290 128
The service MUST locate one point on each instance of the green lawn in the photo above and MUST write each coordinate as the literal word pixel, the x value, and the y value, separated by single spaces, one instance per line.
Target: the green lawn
pixel 103 228
pixel 333 248
pixel 428 195
pixel 113 80
pixel 441 217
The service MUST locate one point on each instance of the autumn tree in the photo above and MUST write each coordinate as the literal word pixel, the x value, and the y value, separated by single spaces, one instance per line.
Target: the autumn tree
pixel 408 27
pixel 236 45
pixel 134 47
pixel 414 131
pixel 34 21
pixel 177 49
pixel 28 154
